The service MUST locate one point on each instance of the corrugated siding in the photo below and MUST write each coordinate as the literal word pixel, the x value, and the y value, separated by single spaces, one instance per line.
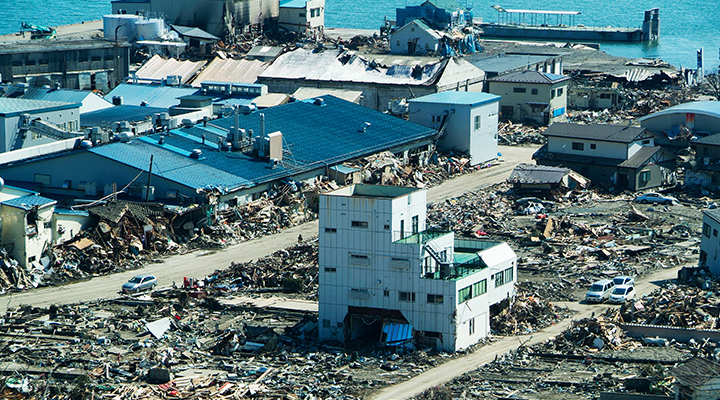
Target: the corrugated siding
pixel 158 68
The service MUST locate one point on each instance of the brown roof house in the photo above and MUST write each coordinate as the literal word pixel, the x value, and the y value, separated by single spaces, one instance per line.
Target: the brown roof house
pixel 620 156
pixel 697 379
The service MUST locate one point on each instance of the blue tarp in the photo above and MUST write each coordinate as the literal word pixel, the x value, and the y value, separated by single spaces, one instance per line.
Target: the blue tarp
pixel 397 334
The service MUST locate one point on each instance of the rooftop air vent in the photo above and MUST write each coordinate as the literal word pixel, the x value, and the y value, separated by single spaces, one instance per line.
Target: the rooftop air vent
pixel 319 101
pixel 196 153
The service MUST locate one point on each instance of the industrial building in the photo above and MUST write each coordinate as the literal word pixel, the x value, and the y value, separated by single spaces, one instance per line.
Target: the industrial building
pixel 299 141
pixel 385 276
pixel 467 122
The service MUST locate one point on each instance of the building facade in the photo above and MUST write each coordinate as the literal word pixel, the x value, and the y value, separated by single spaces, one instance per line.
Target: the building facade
pixel 709 241
pixel 534 96
pixel 620 156
pixel 467 122
pixel 303 16
pixel 28 123
pixel 415 38
pixel 382 272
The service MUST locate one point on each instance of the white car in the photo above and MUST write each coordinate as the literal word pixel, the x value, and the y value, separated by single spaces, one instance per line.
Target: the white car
pixel 622 294
pixel 652 197
pixel 624 280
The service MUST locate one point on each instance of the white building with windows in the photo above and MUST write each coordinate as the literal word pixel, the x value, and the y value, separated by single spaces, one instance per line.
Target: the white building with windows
pixel 303 16
pixel 384 276
pixel 467 122
pixel 710 242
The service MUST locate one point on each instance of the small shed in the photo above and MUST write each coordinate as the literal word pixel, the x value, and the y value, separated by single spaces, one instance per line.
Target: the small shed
pixel 345 175
pixel 530 177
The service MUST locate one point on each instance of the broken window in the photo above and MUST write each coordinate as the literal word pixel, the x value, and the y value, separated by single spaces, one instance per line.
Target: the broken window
pixel 33 223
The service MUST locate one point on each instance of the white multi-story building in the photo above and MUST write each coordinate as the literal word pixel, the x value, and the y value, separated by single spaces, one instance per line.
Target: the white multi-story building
pixel 709 241
pixel 385 277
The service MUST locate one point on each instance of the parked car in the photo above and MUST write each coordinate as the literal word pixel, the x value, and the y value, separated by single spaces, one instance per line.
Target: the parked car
pixel 652 197
pixel 624 280
pixel 139 283
pixel 599 291
pixel 622 294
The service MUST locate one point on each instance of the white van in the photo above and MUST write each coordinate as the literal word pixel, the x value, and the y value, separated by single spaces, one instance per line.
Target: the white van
pixel 600 291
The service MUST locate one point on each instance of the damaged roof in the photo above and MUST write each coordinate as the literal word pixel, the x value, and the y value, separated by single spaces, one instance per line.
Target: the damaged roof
pixel 697 371
pixel 537 174
pixel 158 68
pixel 29 202
pixel 603 132
pixel 347 66
pixel 231 71
pixel 708 108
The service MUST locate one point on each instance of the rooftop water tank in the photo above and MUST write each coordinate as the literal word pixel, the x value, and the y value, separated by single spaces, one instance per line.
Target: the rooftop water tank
pixel 123 24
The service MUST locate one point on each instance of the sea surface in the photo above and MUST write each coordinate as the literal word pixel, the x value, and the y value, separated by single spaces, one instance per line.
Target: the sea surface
pixel 685 26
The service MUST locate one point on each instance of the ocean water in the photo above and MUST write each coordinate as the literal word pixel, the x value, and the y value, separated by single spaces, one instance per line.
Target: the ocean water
pixel 684 26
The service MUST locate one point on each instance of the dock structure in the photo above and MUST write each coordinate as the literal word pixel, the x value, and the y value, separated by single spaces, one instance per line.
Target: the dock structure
pixel 560 25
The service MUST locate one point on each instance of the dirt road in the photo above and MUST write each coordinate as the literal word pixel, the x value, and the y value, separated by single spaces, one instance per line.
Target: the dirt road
pixel 446 372
pixel 202 263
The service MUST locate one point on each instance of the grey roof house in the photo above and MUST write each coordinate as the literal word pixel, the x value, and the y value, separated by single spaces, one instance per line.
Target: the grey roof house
pixel 619 156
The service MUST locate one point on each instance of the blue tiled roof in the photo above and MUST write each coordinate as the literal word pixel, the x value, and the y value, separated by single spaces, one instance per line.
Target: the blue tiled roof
pixel 472 99
pixel 28 202
pixel 315 135
pixel 153 95
pixel 107 116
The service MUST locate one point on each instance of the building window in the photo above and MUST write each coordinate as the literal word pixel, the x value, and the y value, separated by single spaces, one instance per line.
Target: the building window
pixel 314 12
pixel 406 296
pixel 715 232
pixel 386 293
pixel 604 95
pixel 478 122
pixel 559 92
pixel 479 288
pixel 436 119
pixel 301 15
pixel 503 277
pixel 464 294
pixel 435 298
pixel 647 141
pixel 95 58
pixel 552 94
pixel 578 146
pixel 645 176
pixel 415 224
pixel 706 230
pixel 359 224
pixel 360 294
pixel 386 227
pixel 402 229
pixel 519 90
pixel 17 63
pixel 330 269
pixel 360 260
pixel 471 326
pixel 593 146
pixel 534 91
pixel 330 230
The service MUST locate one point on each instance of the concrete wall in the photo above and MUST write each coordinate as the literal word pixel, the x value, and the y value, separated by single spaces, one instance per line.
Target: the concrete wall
pixel 66 226
pixel 16 237
pixel 564 146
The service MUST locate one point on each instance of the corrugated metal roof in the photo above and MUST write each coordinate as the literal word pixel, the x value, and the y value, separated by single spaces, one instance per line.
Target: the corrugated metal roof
pixel 158 68
pixel 531 77
pixel 29 201
pixel 604 132
pixel 59 95
pixel 505 62
pixel 154 95
pixel 264 51
pixel 709 108
pixel 235 71
pixel 107 116
pixel 347 66
pixel 315 135
pixel 497 254
pixel 10 106
pixel 459 71
pixel 537 174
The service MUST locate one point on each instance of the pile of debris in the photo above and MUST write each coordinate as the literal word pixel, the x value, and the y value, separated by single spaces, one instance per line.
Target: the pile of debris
pixel 518 134
pixel 529 313
pixel 294 270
